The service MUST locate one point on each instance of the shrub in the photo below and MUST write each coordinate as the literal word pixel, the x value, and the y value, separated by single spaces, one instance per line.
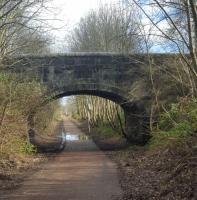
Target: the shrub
pixel 182 115
pixel 178 124
pixel 106 131
pixel 24 147
pixel 17 98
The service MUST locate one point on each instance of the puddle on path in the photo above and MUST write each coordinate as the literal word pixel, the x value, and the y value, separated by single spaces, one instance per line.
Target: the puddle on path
pixel 73 137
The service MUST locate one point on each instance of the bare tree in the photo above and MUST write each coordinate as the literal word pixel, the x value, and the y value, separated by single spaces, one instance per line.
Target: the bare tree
pixel 108 29
pixel 174 24
pixel 18 18
pixel 29 41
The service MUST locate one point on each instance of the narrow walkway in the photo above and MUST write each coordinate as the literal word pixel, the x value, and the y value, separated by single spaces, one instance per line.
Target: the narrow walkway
pixel 81 172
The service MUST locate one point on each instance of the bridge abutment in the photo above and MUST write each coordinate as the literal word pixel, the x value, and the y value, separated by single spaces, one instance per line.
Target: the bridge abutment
pixel 136 124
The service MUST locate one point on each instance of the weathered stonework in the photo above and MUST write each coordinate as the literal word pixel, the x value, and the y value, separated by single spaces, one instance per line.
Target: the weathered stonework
pixel 120 78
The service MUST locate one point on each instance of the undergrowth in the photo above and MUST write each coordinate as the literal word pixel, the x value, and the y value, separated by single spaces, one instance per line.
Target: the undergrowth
pixel 17 98
pixel 177 125
pixel 105 131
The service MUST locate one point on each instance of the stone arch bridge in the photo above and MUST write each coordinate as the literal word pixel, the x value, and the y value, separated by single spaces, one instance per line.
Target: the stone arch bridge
pixel 120 78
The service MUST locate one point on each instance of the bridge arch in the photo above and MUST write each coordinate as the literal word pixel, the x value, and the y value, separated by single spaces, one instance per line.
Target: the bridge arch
pixel 135 115
pixel 105 91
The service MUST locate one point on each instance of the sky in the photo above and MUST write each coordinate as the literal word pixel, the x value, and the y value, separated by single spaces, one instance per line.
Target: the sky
pixel 63 15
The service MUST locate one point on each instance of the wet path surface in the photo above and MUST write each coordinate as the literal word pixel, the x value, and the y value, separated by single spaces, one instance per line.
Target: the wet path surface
pixel 80 172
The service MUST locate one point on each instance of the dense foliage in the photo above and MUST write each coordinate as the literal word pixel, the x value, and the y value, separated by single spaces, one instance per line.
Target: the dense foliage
pixel 176 125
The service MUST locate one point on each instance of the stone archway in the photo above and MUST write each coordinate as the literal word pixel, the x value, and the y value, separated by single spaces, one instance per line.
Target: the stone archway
pixel 136 118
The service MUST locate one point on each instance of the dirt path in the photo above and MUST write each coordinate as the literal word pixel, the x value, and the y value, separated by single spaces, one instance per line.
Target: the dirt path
pixel 81 172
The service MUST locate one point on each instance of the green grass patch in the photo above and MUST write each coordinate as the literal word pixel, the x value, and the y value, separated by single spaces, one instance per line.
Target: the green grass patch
pixel 105 131
pixel 23 147
pixel 176 125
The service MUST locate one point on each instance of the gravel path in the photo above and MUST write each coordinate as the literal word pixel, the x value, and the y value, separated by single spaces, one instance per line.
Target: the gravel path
pixel 80 172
